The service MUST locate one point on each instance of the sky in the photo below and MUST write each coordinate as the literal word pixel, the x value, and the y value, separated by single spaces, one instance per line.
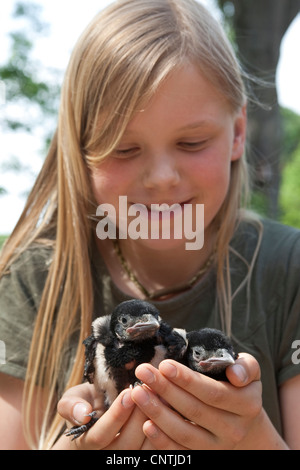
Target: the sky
pixel 67 20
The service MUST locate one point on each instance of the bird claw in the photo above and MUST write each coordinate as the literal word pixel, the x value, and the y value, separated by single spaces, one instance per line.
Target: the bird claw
pixel 136 384
pixel 77 431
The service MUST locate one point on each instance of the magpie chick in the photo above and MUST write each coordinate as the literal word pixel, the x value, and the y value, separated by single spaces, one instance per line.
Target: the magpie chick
pixel 209 352
pixel 133 334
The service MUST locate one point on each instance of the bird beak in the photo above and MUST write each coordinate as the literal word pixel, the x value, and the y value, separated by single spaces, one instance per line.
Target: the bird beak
pixel 217 361
pixel 144 328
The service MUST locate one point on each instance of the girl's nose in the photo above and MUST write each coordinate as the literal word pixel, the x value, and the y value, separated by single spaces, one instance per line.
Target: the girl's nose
pixel 161 172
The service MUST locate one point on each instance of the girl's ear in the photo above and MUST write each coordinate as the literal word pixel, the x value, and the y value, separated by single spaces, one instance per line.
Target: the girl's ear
pixel 240 131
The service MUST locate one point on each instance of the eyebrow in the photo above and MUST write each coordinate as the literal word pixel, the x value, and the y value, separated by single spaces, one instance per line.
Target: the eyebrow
pixel 189 127
pixel 197 125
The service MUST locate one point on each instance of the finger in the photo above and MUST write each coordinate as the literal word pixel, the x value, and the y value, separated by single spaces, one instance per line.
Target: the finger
pixel 157 439
pixel 180 432
pixel 220 395
pixel 186 404
pixel 131 436
pixel 147 445
pixel 77 403
pixel 105 430
pixel 245 370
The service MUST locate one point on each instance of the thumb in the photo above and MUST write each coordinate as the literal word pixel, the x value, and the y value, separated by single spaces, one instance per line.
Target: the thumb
pixel 75 405
pixel 245 370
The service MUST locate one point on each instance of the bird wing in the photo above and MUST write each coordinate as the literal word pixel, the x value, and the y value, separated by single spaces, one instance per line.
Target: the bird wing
pixel 101 333
pixel 90 344
pixel 102 330
pixel 175 341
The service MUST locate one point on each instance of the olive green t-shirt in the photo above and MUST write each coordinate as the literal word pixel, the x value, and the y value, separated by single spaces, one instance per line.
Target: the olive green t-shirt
pixel 265 313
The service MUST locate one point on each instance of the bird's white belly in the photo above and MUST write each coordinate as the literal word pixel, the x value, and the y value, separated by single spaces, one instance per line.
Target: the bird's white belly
pixel 103 381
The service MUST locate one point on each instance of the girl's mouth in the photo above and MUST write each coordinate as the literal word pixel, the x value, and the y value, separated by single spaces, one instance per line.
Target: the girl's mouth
pixel 161 211
pixel 163 206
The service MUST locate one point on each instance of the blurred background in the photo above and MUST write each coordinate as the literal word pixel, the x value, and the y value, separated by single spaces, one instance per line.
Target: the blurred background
pixel 36 39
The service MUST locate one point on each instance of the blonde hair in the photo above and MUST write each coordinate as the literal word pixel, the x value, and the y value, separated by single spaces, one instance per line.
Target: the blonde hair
pixel 119 61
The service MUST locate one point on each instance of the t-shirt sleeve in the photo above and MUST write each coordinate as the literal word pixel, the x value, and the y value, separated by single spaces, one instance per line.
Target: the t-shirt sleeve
pixel 289 347
pixel 20 295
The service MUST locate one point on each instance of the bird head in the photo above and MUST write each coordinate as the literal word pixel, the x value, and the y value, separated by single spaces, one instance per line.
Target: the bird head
pixel 209 352
pixel 135 320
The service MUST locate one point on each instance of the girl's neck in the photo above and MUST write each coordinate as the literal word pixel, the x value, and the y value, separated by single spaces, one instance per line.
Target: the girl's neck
pixel 152 268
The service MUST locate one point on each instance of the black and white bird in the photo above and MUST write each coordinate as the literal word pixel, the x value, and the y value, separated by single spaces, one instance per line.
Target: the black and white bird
pixel 209 352
pixel 133 334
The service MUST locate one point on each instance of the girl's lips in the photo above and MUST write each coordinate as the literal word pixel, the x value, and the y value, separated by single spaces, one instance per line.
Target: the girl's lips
pixel 164 206
pixel 160 212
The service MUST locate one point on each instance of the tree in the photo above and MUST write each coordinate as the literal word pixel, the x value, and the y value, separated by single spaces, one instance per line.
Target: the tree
pixel 35 97
pixel 259 26
pixel 289 197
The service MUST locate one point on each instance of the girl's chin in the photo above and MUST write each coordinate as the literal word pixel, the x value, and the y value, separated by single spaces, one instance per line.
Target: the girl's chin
pixel 170 244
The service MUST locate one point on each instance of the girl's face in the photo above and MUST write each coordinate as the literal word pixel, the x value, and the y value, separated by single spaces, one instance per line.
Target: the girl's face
pixel 177 149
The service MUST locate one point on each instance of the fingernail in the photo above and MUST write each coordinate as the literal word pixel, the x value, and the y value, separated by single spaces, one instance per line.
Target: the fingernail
pixel 80 412
pixel 127 400
pixel 145 375
pixel 150 429
pixel 141 397
pixel 240 372
pixel 168 369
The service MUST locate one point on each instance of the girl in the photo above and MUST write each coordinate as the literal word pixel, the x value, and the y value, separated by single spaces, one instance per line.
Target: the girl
pixel 153 108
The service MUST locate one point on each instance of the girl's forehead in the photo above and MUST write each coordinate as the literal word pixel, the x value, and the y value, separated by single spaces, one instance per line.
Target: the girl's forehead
pixel 187 97
pixel 185 81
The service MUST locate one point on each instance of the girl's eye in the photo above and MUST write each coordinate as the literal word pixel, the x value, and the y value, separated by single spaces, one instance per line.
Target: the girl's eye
pixel 192 146
pixel 126 152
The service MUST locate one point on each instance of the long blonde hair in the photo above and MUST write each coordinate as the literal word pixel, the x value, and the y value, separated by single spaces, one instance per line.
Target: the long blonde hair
pixel 119 61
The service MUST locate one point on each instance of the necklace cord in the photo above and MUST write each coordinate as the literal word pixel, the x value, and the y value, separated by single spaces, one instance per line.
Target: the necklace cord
pixel 161 292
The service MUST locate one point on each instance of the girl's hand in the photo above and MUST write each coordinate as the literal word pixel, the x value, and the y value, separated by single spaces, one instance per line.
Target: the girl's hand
pixel 120 427
pixel 202 413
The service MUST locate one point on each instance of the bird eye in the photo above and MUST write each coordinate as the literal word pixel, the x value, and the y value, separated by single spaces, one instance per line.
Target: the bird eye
pixel 198 353
pixel 123 320
pixel 219 352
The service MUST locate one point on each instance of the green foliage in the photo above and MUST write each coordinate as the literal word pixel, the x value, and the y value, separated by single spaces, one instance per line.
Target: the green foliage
pixel 291 133
pixel 289 198
pixel 21 73
pixel 2 191
pixel 2 240
pixel 22 78
pixel 31 11
pixel 290 191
